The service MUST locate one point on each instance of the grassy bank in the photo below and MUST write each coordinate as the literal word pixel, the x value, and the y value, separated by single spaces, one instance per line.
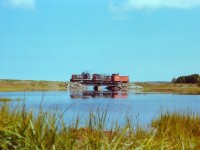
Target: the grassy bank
pixel 20 129
pixel 170 88
pixel 30 85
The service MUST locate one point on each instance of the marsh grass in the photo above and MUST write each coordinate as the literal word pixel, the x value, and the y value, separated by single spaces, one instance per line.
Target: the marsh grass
pixel 5 99
pixel 170 88
pixel 181 129
pixel 22 129
pixel 31 85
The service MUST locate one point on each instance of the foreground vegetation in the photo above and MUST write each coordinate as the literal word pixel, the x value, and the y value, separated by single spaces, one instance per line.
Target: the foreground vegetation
pixel 22 129
pixel 30 85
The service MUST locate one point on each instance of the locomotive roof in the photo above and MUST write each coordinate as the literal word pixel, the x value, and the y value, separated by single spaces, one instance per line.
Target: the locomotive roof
pixel 85 73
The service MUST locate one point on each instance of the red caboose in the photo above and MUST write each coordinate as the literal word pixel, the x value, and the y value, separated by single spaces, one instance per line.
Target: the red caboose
pixel 117 78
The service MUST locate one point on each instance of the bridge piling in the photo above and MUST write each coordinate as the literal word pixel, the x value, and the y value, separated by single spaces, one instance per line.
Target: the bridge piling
pixel 97 88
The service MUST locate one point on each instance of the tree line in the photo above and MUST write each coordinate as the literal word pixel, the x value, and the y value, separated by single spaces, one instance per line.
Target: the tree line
pixel 194 79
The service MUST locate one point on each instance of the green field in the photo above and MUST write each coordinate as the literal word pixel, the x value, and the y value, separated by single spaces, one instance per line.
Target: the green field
pixel 21 129
pixel 170 88
pixel 30 85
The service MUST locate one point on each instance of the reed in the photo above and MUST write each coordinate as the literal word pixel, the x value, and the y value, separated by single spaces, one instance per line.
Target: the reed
pixel 182 130
pixel 23 129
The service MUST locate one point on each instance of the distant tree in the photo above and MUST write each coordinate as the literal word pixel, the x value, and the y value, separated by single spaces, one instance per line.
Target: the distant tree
pixel 174 80
pixel 180 79
pixel 194 78
pixel 198 81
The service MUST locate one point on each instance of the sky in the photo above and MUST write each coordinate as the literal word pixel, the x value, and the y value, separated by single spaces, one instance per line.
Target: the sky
pixel 148 40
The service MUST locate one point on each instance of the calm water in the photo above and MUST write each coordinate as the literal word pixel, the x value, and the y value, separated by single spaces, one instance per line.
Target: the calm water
pixel 142 107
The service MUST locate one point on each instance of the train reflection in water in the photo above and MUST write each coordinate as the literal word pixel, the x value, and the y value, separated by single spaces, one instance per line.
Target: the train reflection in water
pixel 102 94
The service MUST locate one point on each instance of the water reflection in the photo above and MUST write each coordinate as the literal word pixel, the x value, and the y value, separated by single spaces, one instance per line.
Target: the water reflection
pixel 101 94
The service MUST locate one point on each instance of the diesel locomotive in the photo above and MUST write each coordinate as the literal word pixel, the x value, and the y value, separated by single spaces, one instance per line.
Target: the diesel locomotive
pixel 96 78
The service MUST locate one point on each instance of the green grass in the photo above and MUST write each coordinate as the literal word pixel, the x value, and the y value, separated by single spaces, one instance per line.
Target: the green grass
pixel 170 88
pixel 5 99
pixel 30 85
pixel 21 129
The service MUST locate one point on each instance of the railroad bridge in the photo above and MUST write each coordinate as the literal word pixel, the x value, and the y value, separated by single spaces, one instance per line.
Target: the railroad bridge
pixel 112 86
pixel 113 82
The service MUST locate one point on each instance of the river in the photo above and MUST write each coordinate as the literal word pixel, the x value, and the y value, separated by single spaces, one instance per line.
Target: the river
pixel 141 107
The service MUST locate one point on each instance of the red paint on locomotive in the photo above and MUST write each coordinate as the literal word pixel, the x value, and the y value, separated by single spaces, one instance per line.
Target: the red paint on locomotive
pixel 117 78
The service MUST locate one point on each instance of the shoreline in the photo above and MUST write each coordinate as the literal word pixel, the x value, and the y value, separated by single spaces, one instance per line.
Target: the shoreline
pixel 31 85
pixel 152 87
pixel 173 88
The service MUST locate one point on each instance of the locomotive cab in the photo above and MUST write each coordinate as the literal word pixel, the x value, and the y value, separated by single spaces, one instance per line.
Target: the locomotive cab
pixel 117 78
pixel 82 77
pixel 86 75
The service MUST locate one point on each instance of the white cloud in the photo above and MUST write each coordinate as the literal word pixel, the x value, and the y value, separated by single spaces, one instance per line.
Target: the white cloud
pixel 154 4
pixel 25 4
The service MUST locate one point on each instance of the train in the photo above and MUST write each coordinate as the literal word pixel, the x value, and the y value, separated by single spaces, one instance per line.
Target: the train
pixel 97 78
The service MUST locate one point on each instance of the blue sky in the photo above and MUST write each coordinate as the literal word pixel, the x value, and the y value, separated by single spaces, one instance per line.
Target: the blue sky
pixel 149 40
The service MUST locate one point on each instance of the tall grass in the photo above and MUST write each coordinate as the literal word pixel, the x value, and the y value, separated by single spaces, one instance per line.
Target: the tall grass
pixel 22 129
pixel 4 99
pixel 182 130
